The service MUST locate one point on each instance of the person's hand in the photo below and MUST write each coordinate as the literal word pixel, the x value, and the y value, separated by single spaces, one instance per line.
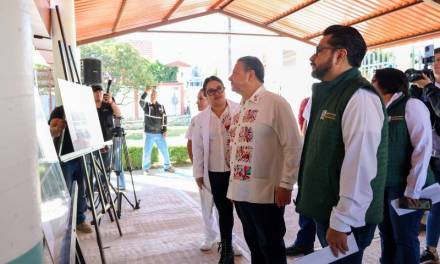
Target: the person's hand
pixel 147 89
pixel 422 82
pixel 56 127
pixel 337 241
pixel 108 98
pixel 199 182
pixel 414 203
pixel 283 196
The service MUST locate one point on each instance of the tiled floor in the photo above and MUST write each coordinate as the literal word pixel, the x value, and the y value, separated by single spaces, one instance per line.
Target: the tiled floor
pixel 168 226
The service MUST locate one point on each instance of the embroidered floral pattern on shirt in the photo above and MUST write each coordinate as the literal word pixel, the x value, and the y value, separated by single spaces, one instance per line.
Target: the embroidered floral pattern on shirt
pixel 242 172
pixel 236 118
pixel 226 121
pixel 250 115
pixel 246 135
pixel 243 154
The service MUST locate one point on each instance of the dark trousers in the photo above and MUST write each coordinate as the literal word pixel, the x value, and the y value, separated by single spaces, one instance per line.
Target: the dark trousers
pixel 399 234
pixel 306 234
pixel 264 229
pixel 363 236
pixel 219 188
pixel 73 171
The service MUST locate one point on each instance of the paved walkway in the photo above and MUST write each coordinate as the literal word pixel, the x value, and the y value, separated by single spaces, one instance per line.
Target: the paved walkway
pixel 168 226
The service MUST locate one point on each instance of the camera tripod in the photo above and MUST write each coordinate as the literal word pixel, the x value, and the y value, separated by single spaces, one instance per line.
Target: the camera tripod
pixel 120 149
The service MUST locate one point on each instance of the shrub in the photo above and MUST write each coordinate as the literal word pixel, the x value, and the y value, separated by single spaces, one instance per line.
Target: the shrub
pixel 178 155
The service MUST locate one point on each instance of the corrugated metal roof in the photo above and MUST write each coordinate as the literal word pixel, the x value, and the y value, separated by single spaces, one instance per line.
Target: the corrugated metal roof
pixel 382 22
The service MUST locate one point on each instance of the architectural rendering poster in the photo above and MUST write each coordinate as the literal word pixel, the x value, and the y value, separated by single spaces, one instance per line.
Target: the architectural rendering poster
pixel 81 116
pixel 55 198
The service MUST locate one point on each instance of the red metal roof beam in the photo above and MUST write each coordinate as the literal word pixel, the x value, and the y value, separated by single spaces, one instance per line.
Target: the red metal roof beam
pixel 369 17
pixel 172 10
pixel 223 6
pixel 215 5
pixel 279 32
pixel 118 18
pixel 289 12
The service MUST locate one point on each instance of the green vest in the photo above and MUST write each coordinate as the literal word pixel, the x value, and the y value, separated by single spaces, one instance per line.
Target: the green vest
pixel 400 148
pixel 324 151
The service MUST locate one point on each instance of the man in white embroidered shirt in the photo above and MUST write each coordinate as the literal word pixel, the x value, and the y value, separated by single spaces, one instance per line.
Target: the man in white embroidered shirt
pixel 343 163
pixel 265 154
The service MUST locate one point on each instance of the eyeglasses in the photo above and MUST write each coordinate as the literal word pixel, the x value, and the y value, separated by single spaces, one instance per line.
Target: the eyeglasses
pixel 212 92
pixel 319 49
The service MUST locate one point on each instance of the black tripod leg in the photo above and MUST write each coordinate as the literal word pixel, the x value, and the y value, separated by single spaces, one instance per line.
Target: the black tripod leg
pixel 89 193
pixel 129 167
pixel 79 255
pixel 112 205
pixel 101 191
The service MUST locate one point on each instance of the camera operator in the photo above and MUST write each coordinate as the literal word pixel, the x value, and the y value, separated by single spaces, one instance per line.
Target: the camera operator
pixel 107 109
pixel 429 92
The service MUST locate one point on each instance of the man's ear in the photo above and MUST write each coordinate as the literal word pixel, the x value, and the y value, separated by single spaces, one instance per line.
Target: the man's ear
pixel 341 55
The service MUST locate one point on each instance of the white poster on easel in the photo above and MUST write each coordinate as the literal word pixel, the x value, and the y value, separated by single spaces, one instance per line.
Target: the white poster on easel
pixel 55 198
pixel 81 116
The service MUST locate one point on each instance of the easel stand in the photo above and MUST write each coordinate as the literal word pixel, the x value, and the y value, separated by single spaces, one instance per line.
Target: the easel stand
pixel 105 200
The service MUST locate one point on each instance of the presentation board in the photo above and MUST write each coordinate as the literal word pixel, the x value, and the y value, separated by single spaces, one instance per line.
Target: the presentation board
pixel 81 116
pixel 55 198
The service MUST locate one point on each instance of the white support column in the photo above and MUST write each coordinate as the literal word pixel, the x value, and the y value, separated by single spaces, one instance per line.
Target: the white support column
pixel 20 220
pixel 67 13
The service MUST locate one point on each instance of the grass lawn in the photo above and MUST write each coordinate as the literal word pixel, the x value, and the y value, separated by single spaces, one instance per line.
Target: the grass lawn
pixel 173 131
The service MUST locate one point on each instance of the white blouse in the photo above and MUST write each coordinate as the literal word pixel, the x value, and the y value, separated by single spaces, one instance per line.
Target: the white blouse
pixel 219 141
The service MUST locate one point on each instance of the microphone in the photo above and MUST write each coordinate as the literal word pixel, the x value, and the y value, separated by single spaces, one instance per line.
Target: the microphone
pixel 109 83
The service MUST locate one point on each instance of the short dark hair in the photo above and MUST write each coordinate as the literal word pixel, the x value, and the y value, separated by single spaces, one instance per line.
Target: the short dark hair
pixel 253 63
pixel 209 79
pixel 350 39
pixel 392 80
pixel 437 50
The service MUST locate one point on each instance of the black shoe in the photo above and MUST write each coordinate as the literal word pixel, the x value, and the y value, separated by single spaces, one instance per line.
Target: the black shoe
pixel 295 250
pixel 429 257
pixel 226 253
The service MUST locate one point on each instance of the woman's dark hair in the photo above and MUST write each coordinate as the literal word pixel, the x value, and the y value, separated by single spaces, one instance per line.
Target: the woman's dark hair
pixel 253 63
pixel 209 79
pixel 391 80
pixel 348 38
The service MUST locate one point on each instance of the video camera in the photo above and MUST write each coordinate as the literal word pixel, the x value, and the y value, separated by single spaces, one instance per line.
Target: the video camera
pixel 117 130
pixel 428 58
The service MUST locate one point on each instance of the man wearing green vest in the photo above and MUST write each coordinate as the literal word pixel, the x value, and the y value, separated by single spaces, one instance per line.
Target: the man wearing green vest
pixel 343 163
pixel 409 152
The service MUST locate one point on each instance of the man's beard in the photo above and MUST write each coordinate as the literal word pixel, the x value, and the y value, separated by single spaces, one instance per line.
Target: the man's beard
pixel 320 71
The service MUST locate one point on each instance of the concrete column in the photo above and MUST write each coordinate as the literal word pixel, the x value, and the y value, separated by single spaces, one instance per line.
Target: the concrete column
pixel 67 13
pixel 20 220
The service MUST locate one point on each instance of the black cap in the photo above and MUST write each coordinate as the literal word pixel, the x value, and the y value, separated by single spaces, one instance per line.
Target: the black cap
pixel 97 87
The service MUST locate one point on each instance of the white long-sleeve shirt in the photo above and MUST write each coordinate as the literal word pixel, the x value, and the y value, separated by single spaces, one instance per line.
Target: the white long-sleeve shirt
pixel 266 148
pixel 419 129
pixel 362 123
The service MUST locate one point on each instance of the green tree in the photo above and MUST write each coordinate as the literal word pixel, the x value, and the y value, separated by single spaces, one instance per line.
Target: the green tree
pixel 127 68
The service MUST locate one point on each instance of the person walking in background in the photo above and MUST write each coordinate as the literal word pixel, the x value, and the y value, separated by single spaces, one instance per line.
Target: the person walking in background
pixel 409 152
pixel 206 202
pixel 155 122
pixel 305 238
pixel 429 92
pixel 211 154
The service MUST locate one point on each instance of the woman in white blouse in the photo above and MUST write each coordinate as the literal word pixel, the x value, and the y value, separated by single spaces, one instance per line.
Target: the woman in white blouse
pixel 211 153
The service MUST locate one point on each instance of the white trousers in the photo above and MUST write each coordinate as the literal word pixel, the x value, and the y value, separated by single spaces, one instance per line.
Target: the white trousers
pixel 209 215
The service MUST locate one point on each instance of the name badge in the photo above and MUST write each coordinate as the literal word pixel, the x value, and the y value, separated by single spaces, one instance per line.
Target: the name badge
pixel 395 118
pixel 325 115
